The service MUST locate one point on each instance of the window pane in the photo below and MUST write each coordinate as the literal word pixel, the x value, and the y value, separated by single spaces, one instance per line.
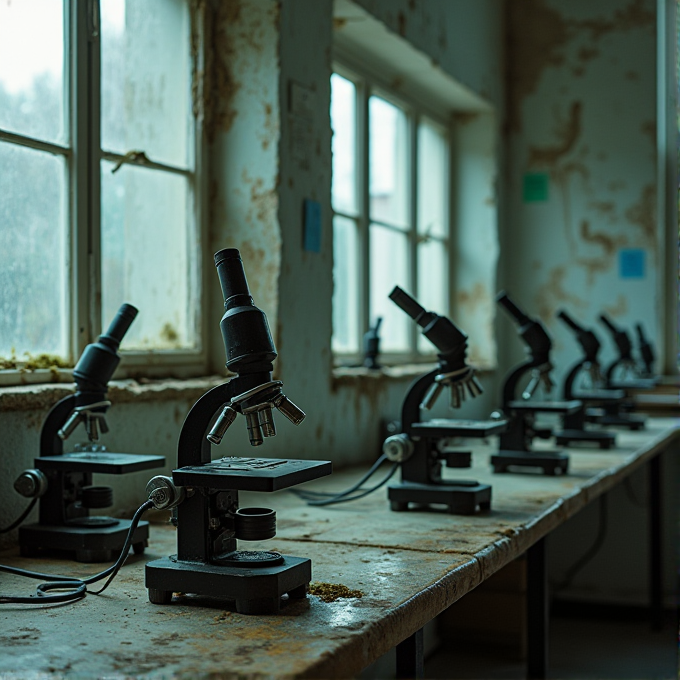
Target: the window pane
pixel 343 122
pixel 432 284
pixel 433 179
pixel 33 252
pixel 32 69
pixel 345 286
pixel 146 82
pixel 389 268
pixel 388 148
pixel 147 249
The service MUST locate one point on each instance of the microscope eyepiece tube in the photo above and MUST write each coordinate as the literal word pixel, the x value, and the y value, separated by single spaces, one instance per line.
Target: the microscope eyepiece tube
pixel 120 325
pixel 408 304
pixel 608 323
pixel 231 273
pixel 563 316
pixel 511 308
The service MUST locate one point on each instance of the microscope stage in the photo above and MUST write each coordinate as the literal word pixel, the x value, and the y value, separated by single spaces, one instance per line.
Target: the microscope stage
pixel 570 406
pixel 251 474
pixel 99 461
pixel 457 427
pixel 601 395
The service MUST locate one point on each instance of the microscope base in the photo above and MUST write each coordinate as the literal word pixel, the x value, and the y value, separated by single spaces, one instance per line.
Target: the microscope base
pixel 631 421
pixel 462 498
pixel 604 440
pixel 87 543
pixel 551 462
pixel 255 590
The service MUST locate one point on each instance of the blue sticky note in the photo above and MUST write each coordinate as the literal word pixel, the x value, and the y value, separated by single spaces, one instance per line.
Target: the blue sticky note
pixel 312 226
pixel 632 263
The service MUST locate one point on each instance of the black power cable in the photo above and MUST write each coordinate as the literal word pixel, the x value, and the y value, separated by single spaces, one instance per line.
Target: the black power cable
pixel 582 561
pixel 354 492
pixel 21 517
pixel 76 587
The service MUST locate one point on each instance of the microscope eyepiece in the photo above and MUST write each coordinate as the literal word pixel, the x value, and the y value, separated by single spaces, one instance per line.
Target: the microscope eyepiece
pixel 231 273
pixel 409 305
pixel 511 308
pixel 119 325
pixel 563 316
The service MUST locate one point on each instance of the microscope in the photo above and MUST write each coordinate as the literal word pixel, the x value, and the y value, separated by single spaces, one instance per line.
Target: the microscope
pixel 647 354
pixel 419 446
pixel 63 481
pixel 372 346
pixel 203 493
pixel 515 443
pixel 588 366
pixel 624 373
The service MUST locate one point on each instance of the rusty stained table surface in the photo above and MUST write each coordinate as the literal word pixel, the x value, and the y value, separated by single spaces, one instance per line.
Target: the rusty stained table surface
pixel 410 566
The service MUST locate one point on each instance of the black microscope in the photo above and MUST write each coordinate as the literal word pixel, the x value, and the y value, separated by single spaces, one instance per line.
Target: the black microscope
pixel 418 447
pixel 63 481
pixel 623 372
pixel 586 368
pixel 203 493
pixel 515 443
pixel 647 354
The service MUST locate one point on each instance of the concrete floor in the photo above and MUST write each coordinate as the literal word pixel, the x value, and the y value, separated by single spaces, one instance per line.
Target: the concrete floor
pixel 579 648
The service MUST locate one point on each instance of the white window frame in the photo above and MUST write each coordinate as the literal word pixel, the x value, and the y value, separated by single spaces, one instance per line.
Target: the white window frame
pixel 82 91
pixel 368 84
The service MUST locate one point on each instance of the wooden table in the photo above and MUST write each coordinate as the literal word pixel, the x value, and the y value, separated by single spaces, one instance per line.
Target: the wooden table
pixel 410 566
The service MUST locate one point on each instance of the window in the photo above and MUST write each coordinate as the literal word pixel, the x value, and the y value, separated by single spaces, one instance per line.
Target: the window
pixel 391 218
pixel 98 184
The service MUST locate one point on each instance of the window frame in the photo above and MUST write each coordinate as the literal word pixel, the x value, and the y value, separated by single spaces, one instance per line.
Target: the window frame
pixel 84 155
pixel 369 84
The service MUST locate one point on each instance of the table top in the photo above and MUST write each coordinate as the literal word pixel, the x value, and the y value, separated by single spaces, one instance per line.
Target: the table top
pixel 409 567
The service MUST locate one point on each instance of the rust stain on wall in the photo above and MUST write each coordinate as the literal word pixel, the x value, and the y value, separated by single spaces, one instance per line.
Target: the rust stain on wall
pixel 649 130
pixel 220 84
pixel 462 118
pixel 634 15
pixel 475 297
pixel 537 35
pixel 567 133
pixel 554 293
pixel 619 308
pixel 643 214
pixel 608 243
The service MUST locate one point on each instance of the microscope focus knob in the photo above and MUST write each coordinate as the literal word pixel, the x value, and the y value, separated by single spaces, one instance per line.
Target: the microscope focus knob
pixel 398 448
pixel 31 483
pixel 164 493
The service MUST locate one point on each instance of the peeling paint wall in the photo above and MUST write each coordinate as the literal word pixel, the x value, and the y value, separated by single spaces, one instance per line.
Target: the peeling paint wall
pixel 581 113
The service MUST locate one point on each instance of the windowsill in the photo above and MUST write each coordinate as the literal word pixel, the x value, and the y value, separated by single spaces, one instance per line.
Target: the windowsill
pixel 348 375
pixel 43 396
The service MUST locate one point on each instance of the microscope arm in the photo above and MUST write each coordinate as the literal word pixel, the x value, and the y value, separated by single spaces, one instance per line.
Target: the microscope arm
pixel 51 444
pixel 513 378
pixel 410 412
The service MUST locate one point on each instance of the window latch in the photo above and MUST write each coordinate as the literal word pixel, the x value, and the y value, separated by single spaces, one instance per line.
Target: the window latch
pixel 137 157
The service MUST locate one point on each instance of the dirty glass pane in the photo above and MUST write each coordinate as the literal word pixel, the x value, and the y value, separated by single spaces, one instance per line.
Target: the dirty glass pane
pixel 432 284
pixel 146 243
pixel 345 286
pixel 389 268
pixel 32 81
pixel 388 162
pixel 146 79
pixel 33 252
pixel 343 122
pixel 433 179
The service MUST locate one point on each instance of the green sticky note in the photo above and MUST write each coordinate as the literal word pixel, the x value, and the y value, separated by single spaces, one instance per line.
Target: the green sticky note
pixel 535 187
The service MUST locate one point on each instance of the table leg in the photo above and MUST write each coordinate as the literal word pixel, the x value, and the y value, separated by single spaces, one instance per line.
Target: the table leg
pixel 655 545
pixel 537 612
pixel 410 663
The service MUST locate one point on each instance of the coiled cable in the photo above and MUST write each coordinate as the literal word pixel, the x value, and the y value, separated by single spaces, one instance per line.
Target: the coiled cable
pixel 76 588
